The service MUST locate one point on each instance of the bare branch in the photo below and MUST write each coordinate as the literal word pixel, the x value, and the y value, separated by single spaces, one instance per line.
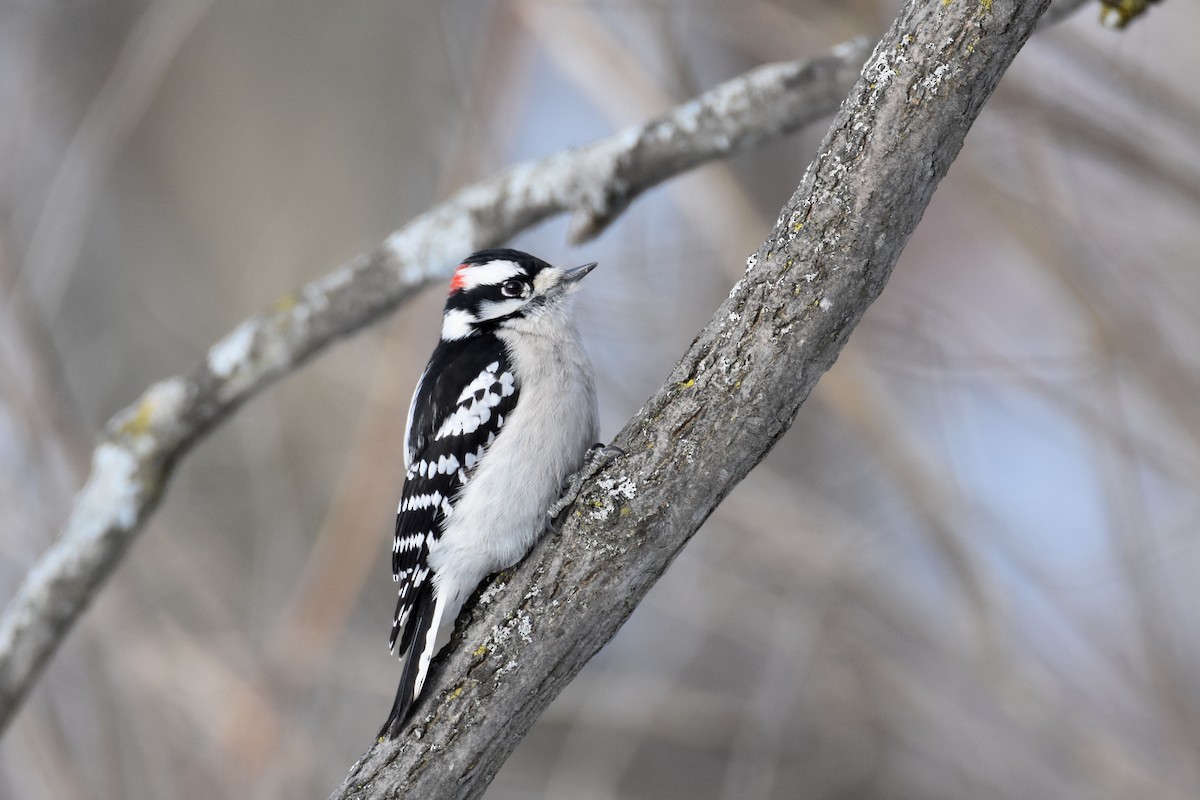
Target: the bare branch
pixel 594 183
pixel 728 400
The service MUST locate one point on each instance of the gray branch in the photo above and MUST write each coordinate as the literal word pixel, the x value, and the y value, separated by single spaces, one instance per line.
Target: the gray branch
pixel 727 402
pixel 594 184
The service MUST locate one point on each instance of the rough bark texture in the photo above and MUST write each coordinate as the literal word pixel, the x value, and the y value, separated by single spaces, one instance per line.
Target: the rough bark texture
pixel 727 402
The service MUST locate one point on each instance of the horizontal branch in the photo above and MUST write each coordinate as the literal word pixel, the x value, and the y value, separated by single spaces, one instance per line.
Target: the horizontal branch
pixel 594 184
pixel 729 399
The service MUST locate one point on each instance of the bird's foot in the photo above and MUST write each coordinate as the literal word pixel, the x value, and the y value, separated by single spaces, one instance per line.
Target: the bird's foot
pixel 598 457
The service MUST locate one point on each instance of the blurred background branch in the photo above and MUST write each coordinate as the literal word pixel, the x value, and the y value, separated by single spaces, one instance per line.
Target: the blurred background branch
pixel 988 595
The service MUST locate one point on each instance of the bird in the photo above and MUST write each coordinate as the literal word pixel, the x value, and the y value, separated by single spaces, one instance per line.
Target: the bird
pixel 503 414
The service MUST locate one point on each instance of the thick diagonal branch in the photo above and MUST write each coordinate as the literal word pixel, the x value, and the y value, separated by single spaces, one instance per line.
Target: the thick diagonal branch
pixel 727 402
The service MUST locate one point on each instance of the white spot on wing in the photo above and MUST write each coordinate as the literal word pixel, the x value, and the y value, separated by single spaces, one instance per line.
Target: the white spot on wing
pixel 476 401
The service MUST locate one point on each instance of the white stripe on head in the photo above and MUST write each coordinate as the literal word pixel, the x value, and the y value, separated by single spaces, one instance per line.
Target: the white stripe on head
pixel 491 309
pixel 456 324
pixel 490 274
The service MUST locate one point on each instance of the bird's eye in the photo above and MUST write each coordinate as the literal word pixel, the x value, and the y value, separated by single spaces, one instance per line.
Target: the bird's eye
pixel 512 288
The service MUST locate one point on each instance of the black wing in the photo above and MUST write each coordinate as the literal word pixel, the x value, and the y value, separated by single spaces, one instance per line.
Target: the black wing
pixel 465 394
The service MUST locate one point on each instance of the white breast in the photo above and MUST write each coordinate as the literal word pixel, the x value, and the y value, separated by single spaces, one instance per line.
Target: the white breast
pixel 502 509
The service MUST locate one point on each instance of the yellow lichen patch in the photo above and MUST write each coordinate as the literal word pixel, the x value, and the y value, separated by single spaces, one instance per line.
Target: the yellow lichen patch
pixel 139 422
pixel 480 651
pixel 457 693
pixel 689 383
pixel 1119 13
pixel 286 303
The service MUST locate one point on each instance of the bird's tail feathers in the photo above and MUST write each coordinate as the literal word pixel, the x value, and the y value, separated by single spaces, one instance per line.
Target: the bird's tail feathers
pixel 416 648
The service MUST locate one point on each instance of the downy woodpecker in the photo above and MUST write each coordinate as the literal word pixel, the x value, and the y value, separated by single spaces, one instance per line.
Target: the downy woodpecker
pixel 504 412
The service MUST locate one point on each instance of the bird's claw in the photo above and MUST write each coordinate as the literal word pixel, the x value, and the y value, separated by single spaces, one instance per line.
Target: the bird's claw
pixel 598 457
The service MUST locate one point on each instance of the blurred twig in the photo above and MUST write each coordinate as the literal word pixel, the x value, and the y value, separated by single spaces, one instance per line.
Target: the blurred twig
pixel 54 249
pixel 594 184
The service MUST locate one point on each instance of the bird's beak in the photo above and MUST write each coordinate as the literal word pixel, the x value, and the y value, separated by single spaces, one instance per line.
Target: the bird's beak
pixel 575 275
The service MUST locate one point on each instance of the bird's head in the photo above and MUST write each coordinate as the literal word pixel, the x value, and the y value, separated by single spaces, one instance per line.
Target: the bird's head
pixel 505 288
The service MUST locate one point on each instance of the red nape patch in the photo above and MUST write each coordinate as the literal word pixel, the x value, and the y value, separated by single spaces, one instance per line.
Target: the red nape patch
pixel 456 282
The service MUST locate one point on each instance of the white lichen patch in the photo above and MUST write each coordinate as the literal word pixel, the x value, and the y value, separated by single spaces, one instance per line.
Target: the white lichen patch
pixel 881 68
pixel 688 116
pixel 602 510
pixel 434 240
pixel 837 168
pixel 825 304
pixel 627 488
pixel 165 399
pixel 507 668
pixel 884 73
pixel 619 487
pixel 525 627
pixel 501 634
pixel 616 490
pixel 491 592
pixel 111 495
pixel 227 355
pixel 934 79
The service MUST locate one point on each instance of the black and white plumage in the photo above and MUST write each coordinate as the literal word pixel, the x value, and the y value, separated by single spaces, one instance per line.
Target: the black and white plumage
pixel 502 415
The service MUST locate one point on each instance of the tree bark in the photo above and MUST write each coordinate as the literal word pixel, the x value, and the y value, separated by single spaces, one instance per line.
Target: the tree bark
pixel 727 402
